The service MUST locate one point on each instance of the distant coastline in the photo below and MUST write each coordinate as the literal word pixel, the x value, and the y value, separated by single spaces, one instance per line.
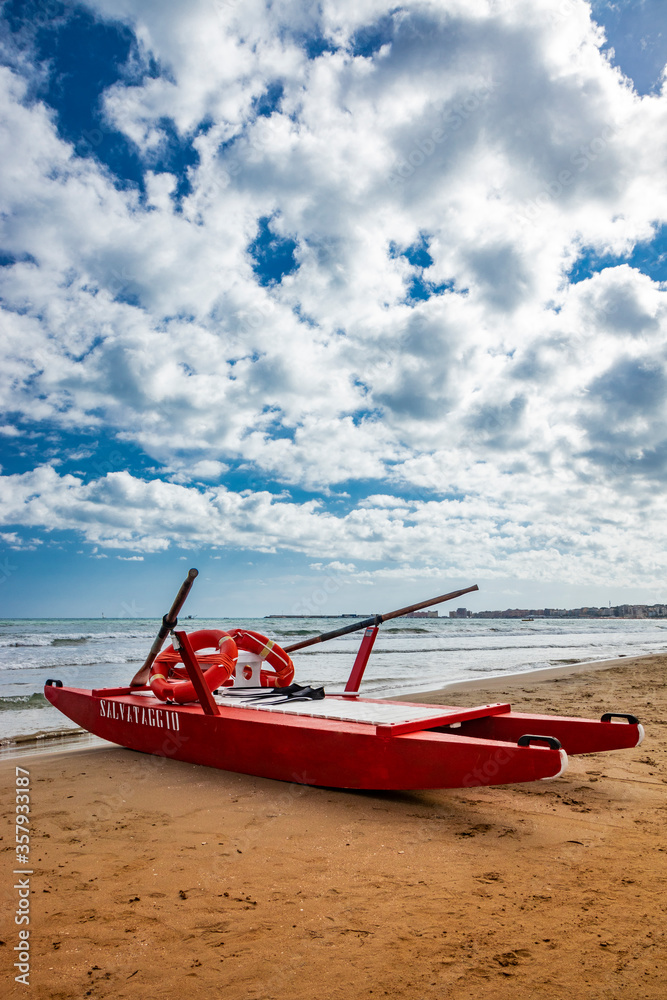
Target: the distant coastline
pixel 621 611
pixel 317 616
pixel 410 614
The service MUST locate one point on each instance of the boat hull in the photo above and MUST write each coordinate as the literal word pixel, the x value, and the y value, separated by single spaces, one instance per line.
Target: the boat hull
pixel 336 753
pixel 303 749
pixel 578 736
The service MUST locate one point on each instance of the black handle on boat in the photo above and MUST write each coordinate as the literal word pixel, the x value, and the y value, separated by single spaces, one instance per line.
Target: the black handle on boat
pixel 551 741
pixel 608 716
pixel 378 619
pixel 169 622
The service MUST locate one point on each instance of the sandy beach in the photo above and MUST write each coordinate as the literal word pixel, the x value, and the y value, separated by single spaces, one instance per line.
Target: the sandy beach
pixel 158 878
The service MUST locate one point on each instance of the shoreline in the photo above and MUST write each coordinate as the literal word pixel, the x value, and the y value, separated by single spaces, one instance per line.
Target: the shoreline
pixel 501 681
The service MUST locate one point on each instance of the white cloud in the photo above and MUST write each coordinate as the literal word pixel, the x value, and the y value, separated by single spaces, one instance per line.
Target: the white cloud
pixel 545 538
pixel 15 541
pixel 498 133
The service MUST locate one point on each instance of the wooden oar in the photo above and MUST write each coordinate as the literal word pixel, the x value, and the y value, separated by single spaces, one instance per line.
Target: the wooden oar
pixel 169 622
pixel 377 619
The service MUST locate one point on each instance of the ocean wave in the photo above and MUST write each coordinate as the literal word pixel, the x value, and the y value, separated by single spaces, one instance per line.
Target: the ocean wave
pixel 407 628
pixel 103 660
pixel 46 640
pixel 17 638
pixel 293 631
pixel 17 702
pixel 447 650
pixel 23 742
pixel 146 636
pixel 33 641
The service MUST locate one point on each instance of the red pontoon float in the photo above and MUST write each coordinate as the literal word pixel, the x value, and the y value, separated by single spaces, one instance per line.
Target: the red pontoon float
pixel 236 709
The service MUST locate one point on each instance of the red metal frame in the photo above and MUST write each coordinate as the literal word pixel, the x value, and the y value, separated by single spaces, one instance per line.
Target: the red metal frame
pixel 359 665
pixel 448 718
pixel 187 653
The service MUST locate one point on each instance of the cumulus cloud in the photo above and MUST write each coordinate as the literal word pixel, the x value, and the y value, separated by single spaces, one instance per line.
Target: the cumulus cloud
pixel 543 539
pixel 362 271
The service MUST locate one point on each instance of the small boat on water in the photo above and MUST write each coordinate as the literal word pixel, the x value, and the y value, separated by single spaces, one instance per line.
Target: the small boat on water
pixel 226 699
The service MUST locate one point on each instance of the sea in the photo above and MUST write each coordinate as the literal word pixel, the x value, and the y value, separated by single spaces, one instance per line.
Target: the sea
pixel 410 655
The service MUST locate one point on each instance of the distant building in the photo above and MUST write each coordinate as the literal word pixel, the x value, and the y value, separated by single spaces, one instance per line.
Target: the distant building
pixel 621 611
pixel 422 614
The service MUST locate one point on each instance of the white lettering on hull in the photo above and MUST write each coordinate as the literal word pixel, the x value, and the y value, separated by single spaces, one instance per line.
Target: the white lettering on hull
pixel 156 718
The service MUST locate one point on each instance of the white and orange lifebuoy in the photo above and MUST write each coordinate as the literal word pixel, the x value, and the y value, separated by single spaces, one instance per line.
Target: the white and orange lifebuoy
pixel 169 679
pixel 274 655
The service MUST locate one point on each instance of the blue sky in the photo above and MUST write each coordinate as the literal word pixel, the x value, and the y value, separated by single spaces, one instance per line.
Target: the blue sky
pixel 348 300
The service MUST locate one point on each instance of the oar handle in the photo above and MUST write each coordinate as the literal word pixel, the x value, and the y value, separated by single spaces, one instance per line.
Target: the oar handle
pixel 378 619
pixel 429 603
pixel 169 622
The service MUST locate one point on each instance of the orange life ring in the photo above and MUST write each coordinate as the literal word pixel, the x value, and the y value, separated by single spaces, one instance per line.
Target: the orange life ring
pixel 169 679
pixel 254 642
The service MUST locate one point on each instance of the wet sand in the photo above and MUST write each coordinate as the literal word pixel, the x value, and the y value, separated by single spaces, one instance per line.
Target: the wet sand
pixel 158 878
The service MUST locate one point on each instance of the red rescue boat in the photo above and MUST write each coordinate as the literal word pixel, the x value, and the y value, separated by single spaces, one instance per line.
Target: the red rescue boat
pixel 248 717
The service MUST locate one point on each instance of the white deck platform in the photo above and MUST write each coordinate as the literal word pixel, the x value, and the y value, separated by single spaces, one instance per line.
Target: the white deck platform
pixel 368 713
